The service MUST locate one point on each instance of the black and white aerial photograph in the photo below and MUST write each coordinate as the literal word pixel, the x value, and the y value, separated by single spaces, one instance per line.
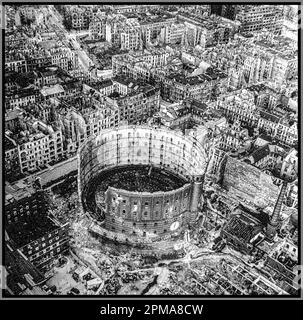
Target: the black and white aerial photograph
pixel 150 150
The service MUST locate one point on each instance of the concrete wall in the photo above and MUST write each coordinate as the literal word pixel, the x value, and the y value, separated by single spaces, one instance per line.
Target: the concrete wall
pixel 57 171
pixel 144 214
pixel 249 182
pixel 141 145
pixel 153 213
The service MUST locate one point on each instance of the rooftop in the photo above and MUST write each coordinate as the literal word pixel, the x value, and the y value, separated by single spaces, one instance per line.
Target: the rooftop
pixel 20 93
pixel 52 90
pixel 21 273
pixel 9 144
pixel 30 228
pixel 243 227
pixel 269 116
pixel 261 153
pixel 13 114
pixel 18 191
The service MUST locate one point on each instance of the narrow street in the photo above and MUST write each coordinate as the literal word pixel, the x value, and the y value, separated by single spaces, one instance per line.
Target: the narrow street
pixel 84 60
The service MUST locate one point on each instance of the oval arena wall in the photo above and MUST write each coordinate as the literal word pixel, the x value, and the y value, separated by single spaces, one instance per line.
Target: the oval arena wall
pixel 142 145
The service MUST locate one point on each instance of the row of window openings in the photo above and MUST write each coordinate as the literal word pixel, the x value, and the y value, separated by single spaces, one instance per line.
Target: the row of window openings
pixel 144 225
pixel 147 203
pixel 131 144
pixel 16 218
pixel 44 245
pixel 43 239
pixel 134 232
pixel 146 213
pixel 43 252
pixel 27 212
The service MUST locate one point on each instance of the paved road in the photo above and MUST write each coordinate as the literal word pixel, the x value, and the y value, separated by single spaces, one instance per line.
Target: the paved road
pixel 85 61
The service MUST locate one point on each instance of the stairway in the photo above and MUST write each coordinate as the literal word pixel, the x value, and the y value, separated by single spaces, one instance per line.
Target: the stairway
pixel 274 220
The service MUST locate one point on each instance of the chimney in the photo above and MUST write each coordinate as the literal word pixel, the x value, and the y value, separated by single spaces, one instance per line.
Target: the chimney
pixel 274 219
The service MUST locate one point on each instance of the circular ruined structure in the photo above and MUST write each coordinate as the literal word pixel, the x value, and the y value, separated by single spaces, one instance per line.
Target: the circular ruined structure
pixel 142 182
